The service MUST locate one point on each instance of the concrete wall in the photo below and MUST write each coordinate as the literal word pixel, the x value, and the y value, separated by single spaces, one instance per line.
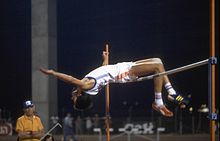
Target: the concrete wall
pixel 44 54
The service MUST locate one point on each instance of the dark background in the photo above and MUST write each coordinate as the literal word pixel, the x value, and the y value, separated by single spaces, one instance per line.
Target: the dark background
pixel 175 31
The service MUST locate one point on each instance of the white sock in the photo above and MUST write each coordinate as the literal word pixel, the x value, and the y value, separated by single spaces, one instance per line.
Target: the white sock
pixel 158 99
pixel 170 89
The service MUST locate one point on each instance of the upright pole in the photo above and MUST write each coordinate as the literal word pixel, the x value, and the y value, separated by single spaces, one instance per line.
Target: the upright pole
pixel 212 55
pixel 107 98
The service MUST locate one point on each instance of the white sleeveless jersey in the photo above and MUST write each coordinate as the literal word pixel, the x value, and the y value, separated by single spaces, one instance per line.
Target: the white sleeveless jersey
pixel 118 73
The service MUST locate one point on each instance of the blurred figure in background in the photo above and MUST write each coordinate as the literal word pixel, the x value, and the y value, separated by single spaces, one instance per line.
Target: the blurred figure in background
pixel 96 120
pixel 89 125
pixel 68 128
pixel 79 125
pixel 29 126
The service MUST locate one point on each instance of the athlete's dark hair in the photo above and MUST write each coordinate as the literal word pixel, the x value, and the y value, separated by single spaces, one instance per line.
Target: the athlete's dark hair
pixel 83 101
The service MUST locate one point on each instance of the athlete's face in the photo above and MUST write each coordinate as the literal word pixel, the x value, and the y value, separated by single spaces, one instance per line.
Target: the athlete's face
pixel 75 93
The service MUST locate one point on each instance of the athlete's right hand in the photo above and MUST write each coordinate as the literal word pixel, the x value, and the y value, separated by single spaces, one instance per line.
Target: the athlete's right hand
pixel 48 72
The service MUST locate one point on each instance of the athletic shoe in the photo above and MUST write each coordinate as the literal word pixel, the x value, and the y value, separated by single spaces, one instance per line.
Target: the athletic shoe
pixel 162 109
pixel 178 99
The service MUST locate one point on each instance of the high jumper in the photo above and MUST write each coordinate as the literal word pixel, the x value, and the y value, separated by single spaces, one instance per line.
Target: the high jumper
pixel 122 72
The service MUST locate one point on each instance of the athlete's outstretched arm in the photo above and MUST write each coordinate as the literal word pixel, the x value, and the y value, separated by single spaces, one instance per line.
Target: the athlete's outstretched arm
pixel 64 77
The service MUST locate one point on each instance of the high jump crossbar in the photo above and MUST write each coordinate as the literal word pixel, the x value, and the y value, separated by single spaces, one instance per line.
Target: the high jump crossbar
pixel 179 69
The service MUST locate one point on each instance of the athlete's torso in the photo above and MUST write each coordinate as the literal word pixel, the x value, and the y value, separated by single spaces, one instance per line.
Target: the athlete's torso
pixel 118 73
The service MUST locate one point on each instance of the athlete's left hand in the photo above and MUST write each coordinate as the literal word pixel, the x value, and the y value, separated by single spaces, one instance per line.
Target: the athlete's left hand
pixel 48 72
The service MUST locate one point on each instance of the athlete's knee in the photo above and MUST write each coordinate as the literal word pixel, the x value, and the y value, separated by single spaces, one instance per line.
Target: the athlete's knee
pixel 158 67
pixel 157 60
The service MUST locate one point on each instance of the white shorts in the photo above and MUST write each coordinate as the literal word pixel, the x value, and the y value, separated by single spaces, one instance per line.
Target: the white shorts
pixel 122 72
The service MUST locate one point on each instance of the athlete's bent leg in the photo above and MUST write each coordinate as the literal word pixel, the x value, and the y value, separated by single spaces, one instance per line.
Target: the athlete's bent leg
pixel 148 67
